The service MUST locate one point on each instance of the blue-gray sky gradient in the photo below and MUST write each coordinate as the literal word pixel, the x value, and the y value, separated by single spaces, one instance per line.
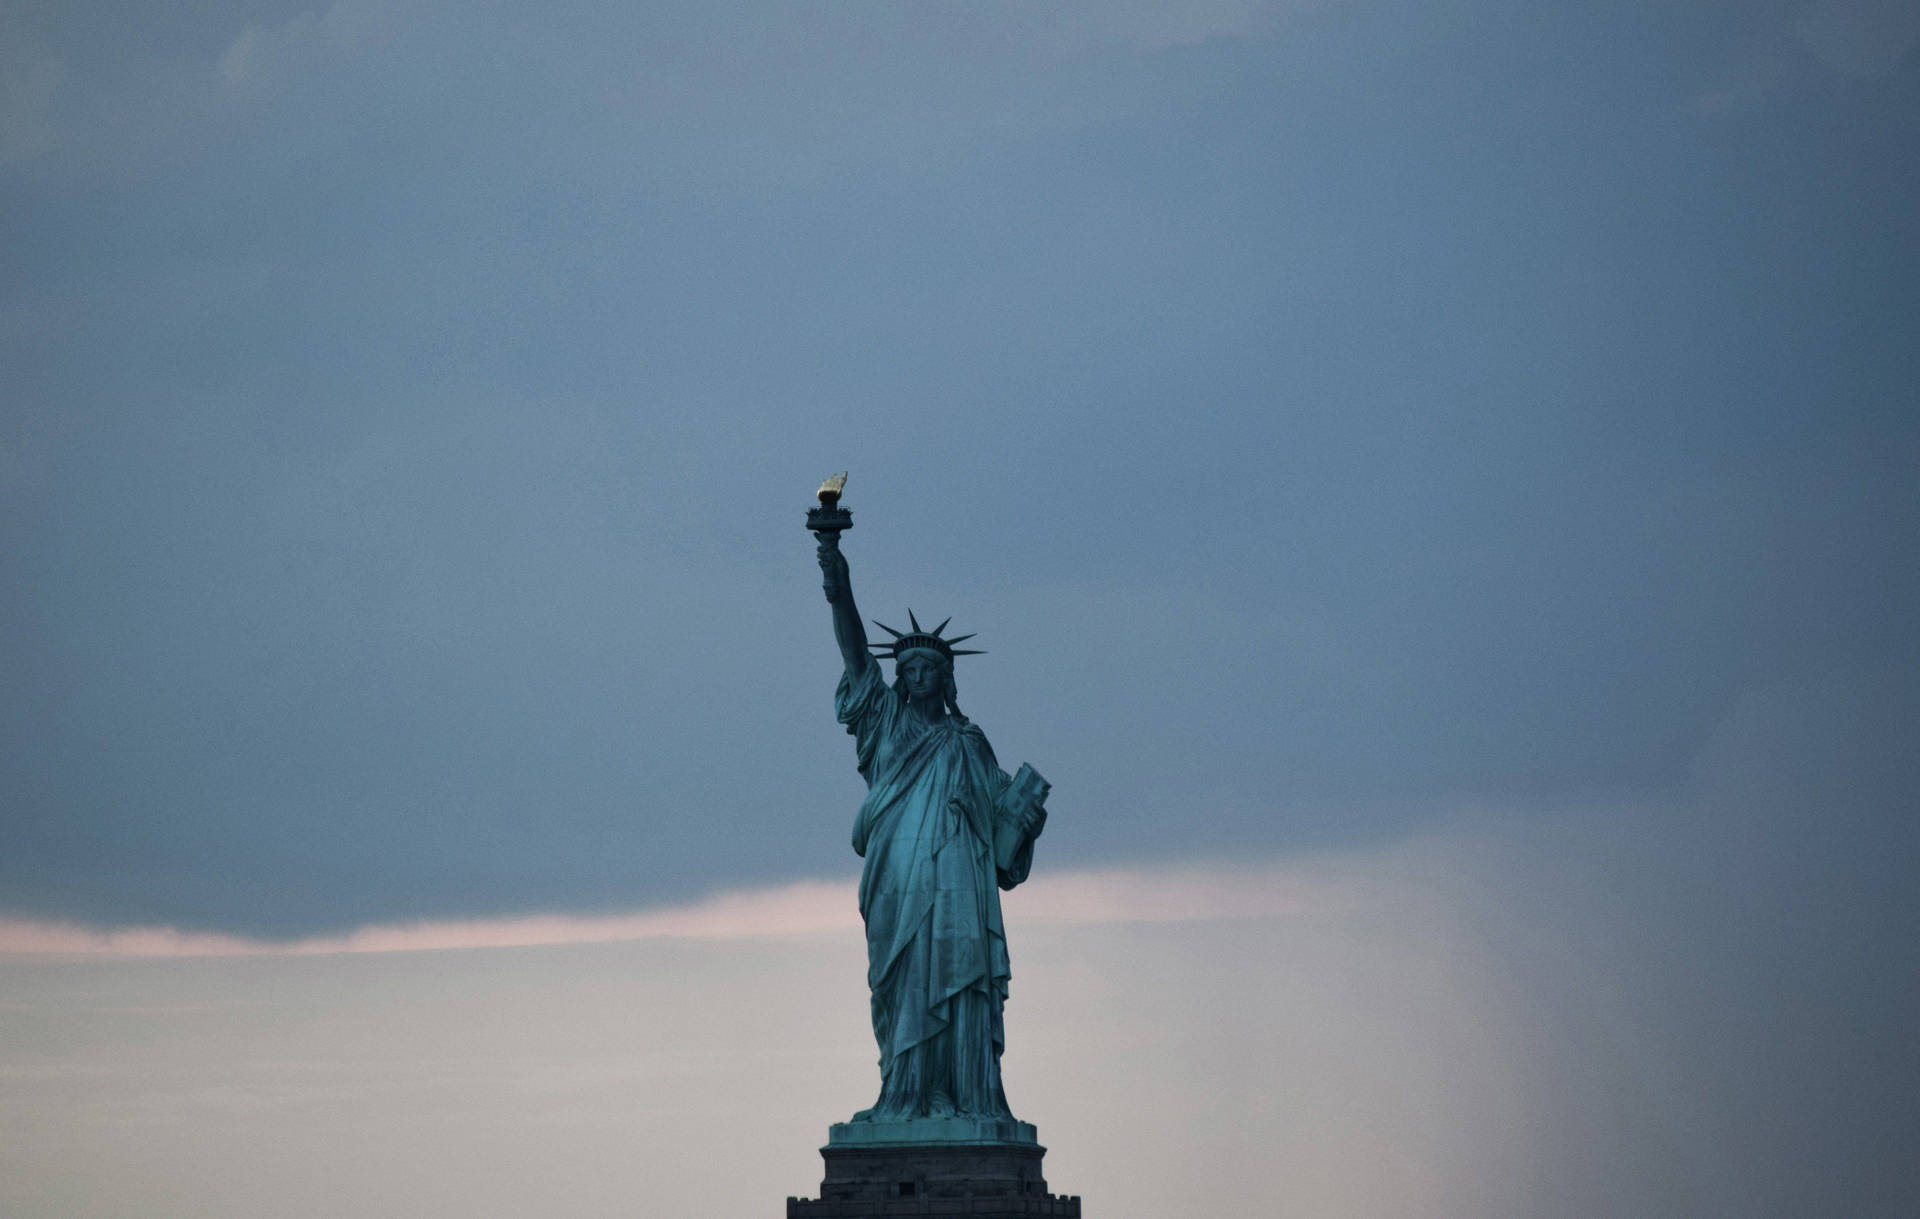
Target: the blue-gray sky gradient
pixel 1327 416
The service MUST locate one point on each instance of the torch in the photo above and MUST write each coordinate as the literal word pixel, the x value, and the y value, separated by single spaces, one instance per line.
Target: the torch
pixel 830 518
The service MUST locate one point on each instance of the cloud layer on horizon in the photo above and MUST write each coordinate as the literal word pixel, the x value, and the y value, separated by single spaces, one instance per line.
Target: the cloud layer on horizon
pixel 1167 894
pixel 1503 1019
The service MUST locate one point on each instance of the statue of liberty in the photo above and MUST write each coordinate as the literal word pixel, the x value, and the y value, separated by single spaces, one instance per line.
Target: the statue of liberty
pixel 942 830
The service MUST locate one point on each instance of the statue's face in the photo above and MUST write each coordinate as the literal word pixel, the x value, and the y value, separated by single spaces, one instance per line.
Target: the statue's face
pixel 923 675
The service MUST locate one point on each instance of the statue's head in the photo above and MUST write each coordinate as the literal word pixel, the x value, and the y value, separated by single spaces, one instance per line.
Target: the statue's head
pixel 923 673
pixel 923 662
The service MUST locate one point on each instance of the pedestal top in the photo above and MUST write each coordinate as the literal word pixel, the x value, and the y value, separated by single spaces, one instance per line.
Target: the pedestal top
pixel 932 1130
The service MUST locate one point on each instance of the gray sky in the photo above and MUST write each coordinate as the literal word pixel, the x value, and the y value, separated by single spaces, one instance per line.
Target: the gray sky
pixel 1346 424
pixel 1326 417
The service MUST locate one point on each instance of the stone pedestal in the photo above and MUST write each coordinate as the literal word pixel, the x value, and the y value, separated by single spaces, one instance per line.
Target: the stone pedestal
pixel 875 1172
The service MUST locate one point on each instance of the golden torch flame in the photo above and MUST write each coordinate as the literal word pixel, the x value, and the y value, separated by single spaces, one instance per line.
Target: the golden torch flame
pixel 830 490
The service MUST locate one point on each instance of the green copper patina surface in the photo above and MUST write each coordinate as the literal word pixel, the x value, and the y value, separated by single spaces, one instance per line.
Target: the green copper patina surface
pixel 942 830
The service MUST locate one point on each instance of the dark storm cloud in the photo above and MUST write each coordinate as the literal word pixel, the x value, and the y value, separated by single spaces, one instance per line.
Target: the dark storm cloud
pixel 1326 417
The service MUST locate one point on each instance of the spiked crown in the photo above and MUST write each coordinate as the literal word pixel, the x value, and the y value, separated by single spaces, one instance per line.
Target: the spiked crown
pixel 920 637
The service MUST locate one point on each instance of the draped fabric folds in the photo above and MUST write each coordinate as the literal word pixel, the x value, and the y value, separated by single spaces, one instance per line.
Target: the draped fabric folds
pixel 929 892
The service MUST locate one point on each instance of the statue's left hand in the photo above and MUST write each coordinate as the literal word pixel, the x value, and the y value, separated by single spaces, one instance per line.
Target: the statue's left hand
pixel 1032 808
pixel 1034 787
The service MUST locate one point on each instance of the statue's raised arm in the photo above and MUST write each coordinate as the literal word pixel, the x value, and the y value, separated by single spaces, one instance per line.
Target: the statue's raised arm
pixel 828 522
pixel 847 630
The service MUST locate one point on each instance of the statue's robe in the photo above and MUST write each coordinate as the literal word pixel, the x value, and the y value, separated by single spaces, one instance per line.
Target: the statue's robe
pixel 936 949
